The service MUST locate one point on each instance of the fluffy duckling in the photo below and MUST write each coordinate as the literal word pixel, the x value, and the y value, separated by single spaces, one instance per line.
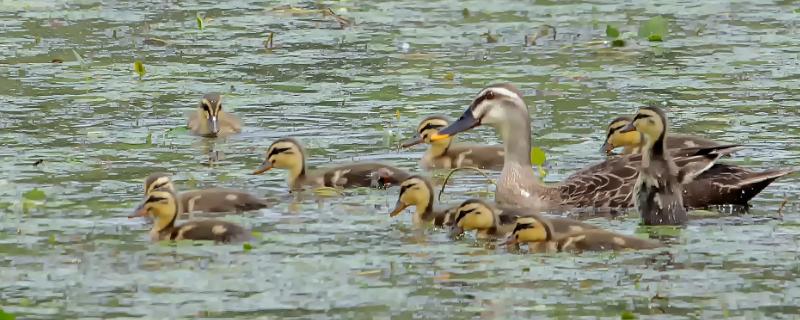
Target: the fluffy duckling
pixel 163 206
pixel 445 154
pixel 492 222
pixel 288 154
pixel 206 200
pixel 418 191
pixel 541 236
pixel 210 121
pixel 631 141
pixel 658 191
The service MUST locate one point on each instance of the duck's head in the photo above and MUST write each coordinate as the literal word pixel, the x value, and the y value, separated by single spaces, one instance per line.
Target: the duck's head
pixel 473 214
pixel 651 122
pixel 414 191
pixel 284 153
pixel 162 205
pixel 615 138
pixel 530 229
pixel 158 180
pixel 498 105
pixel 210 108
pixel 427 128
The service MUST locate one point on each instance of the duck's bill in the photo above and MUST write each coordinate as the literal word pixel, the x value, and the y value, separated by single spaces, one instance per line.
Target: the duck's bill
pixel 456 231
pixel 398 209
pixel 607 148
pixel 213 124
pixel 263 168
pixel 466 122
pixel 511 241
pixel 140 211
pixel 412 142
pixel 628 128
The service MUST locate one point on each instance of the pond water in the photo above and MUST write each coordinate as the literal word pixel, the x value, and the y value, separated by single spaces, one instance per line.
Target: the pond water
pixel 726 71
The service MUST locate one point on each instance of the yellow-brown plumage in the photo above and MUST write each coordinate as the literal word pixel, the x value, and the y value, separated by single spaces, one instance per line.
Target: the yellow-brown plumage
pixel 209 120
pixel 163 206
pixel 540 236
pixel 289 154
pixel 213 200
pixel 447 154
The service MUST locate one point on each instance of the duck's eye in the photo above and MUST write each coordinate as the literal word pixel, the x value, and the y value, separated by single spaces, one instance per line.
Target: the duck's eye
pixel 206 108
pixel 490 95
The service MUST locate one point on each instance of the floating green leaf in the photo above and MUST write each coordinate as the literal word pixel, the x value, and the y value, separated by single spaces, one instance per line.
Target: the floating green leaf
pixel 7 316
pixel 257 235
pixel 34 195
pixel 449 76
pixel 655 29
pixel 797 10
pixel 149 139
pixel 465 13
pixel 247 246
pixel 617 43
pixel 627 315
pixel 51 239
pixel 138 67
pixel 200 24
pixel 538 156
pixel 612 32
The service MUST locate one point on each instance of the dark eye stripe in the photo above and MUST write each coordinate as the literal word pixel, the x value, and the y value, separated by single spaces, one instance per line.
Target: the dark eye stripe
pixel 275 151
pixel 406 187
pixel 431 126
pixel 155 199
pixel 641 116
pixel 521 226
pixel 157 186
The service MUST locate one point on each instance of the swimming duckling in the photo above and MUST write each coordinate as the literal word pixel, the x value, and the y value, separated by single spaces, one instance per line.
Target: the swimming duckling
pixel 210 121
pixel 444 154
pixel 206 200
pixel 631 141
pixel 492 222
pixel 163 206
pixel 658 192
pixel 540 236
pixel 418 191
pixel 288 154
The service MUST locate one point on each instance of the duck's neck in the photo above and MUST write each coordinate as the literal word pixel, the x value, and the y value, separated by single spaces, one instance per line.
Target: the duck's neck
pixel 653 149
pixel 163 225
pixel 439 148
pixel 297 174
pixel 516 135
pixel 424 210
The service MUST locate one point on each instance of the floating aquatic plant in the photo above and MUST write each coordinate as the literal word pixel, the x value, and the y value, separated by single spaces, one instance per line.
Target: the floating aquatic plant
pixel 138 67
pixel 655 29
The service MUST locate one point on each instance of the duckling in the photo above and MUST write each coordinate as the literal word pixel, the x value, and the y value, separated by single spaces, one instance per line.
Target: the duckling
pixel 719 185
pixel 491 221
pixel 288 154
pixel 163 206
pixel 608 184
pixel 206 200
pixel 659 188
pixel 210 121
pixel 418 191
pixel 540 236
pixel 444 154
pixel 631 141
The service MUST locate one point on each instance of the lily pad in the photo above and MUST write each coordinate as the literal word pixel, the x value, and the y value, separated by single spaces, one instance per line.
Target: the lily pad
pixel 611 31
pixel 654 29
pixel 538 157
pixel 34 195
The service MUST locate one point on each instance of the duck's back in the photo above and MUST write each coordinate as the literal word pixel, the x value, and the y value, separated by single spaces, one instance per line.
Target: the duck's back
pixel 213 230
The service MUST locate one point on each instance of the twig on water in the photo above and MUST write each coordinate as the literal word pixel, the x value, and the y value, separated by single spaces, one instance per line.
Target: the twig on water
pixel 483 173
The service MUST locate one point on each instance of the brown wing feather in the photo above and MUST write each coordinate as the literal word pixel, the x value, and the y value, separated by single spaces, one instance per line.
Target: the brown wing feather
pixel 213 230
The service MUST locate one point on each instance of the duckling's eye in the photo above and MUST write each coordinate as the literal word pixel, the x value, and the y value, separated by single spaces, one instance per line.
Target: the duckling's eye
pixel 156 199
pixel 206 108
pixel 489 95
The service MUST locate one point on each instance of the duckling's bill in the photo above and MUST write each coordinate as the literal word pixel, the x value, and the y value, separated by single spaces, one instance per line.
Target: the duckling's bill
pixel 263 168
pixel 140 211
pixel 398 208
pixel 465 122
pixel 413 142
